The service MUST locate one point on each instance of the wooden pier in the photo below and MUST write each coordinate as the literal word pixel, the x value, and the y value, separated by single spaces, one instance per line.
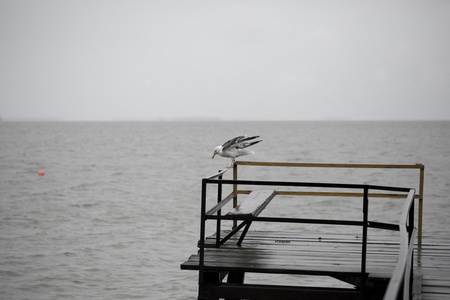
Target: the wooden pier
pixel 337 256
pixel 375 265
pixel 432 269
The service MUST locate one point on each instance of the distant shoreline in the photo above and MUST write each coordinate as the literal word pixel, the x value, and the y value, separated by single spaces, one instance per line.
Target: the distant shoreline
pixel 187 120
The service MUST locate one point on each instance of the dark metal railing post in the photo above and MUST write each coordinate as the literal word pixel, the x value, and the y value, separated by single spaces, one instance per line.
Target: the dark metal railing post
pixel 364 240
pixel 235 192
pixel 422 176
pixel 219 198
pixel 411 240
pixel 202 234
pixel 411 220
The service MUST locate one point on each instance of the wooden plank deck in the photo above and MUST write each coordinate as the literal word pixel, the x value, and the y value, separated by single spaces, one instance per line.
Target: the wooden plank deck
pixel 338 256
pixel 433 266
pixel 334 255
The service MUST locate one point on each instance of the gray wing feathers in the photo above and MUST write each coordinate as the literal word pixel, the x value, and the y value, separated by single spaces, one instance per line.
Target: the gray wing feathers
pixel 240 142
pixel 231 142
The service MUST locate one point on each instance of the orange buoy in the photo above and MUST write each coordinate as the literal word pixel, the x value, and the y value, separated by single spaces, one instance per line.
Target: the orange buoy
pixel 41 172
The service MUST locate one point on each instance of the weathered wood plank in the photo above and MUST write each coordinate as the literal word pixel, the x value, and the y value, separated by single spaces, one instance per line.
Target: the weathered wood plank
pixel 434 297
pixel 320 247
pixel 299 236
pixel 291 253
pixel 265 292
pixel 433 260
pixel 305 267
pixel 254 204
pixel 436 289
pixel 323 244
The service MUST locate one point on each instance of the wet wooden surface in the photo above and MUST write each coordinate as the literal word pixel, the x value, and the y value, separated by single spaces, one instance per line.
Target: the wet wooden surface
pixel 293 253
pixel 433 264
pixel 334 255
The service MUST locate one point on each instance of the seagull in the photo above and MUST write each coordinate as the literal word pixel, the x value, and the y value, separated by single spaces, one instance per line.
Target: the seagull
pixel 236 147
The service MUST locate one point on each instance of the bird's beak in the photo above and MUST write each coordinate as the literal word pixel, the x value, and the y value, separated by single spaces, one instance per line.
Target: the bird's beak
pixel 213 155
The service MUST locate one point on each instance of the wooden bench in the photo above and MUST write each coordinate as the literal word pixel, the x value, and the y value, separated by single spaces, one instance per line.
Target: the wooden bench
pixel 249 208
pixel 254 204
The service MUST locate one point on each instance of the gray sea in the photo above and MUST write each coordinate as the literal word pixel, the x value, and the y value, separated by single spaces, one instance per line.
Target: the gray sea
pixel 117 210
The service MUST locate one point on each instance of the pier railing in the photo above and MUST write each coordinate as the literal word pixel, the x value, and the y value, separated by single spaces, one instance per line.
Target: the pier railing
pixel 401 282
pixel 419 190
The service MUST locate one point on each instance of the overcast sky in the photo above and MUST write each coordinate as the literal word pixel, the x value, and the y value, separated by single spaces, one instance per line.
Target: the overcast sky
pixel 234 60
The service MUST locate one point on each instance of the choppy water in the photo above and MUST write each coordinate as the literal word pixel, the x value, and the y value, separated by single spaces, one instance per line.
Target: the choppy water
pixel 117 210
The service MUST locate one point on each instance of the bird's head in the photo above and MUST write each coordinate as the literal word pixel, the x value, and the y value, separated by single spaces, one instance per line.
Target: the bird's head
pixel 217 150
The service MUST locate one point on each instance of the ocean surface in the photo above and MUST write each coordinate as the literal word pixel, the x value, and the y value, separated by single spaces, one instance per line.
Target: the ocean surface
pixel 117 210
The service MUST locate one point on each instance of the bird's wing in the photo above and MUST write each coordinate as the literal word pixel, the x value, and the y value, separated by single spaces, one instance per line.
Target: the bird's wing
pixel 247 144
pixel 230 143
pixel 240 142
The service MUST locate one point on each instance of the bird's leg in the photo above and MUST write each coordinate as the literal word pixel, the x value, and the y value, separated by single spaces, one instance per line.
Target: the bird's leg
pixel 232 163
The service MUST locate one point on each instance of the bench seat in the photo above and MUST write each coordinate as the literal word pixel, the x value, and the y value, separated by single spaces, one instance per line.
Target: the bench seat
pixel 254 204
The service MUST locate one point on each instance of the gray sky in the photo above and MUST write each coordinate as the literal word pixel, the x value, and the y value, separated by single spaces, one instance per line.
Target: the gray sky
pixel 234 60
